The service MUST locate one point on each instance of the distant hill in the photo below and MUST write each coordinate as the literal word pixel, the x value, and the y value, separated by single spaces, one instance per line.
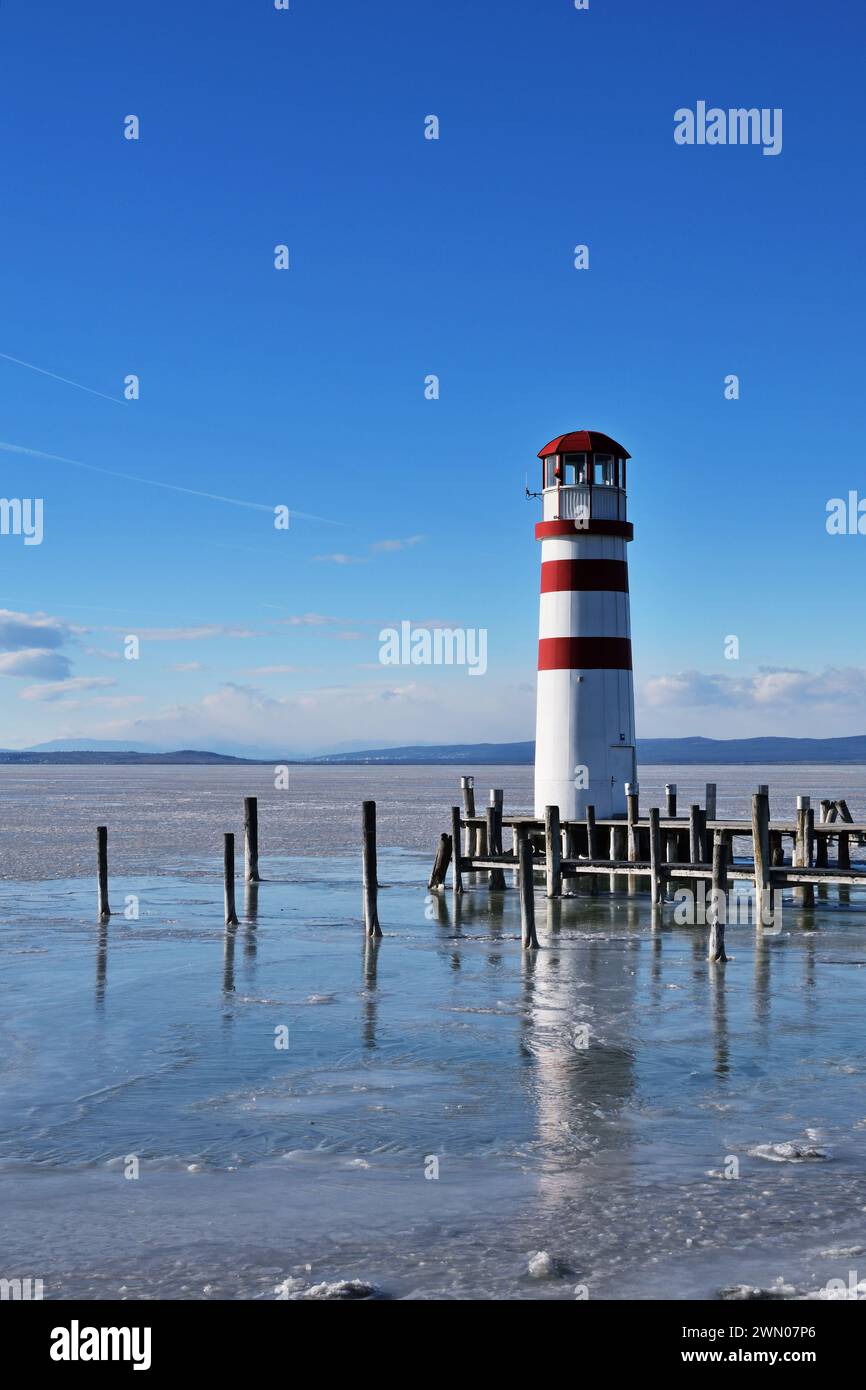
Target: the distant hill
pixel 125 757
pixel 650 751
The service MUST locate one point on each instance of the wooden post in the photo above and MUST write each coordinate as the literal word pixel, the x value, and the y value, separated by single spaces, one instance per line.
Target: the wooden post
pixel 552 851
pixel 710 801
pixel 102 907
pixel 809 855
pixel 655 856
pixel 229 879
pixel 843 854
pixel 251 839
pixel 591 834
pixel 695 855
pixel 370 869
pixel 456 867
pixel 761 846
pixel 471 844
pixel 804 893
pixel 671 848
pixel 718 909
pixel 529 941
pixel 632 802
pixel 441 862
pixel 494 843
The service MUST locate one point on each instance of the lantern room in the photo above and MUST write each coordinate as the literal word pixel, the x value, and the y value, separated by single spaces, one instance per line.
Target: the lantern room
pixel 584 478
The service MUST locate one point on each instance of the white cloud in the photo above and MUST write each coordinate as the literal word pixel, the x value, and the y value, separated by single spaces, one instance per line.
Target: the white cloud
pixel 201 633
pixel 58 689
pixel 32 661
pixel 404 712
pixel 405 544
pixel 18 630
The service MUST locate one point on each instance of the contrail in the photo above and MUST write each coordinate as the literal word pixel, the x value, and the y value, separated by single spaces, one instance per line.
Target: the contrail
pixel 65 379
pixel 153 482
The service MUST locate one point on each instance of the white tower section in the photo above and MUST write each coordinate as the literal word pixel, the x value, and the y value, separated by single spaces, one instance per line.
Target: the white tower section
pixel 585 737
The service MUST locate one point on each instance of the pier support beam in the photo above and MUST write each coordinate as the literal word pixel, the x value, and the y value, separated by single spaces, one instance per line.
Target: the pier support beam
pixel 456 867
pixel 529 940
pixel 655 855
pixel 553 851
pixel 717 912
pixel 761 843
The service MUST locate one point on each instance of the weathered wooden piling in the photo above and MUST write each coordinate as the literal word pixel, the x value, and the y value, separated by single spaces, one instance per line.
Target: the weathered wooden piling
pixel 229 879
pixel 456 867
pixel 494 841
pixel 632 802
pixel 696 847
pixel 592 844
pixel 761 843
pixel 671 842
pixel 474 842
pixel 441 862
pixel 528 939
pixel 102 907
pixel 370 869
pixel 553 851
pixel 710 801
pixel 655 855
pixel 803 849
pixel 717 911
pixel 251 839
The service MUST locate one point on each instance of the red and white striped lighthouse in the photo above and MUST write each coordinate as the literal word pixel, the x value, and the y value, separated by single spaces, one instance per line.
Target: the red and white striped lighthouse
pixel 585 740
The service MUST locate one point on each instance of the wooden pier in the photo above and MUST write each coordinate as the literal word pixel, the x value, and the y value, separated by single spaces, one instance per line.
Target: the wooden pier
pixel 654 851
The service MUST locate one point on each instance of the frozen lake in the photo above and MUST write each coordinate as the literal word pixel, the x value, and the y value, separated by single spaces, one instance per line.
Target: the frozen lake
pixel 586 1100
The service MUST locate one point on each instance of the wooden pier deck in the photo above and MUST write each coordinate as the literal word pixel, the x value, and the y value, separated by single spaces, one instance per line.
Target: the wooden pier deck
pixel 655 851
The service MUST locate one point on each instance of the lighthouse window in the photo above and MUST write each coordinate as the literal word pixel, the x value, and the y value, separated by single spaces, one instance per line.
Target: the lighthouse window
pixel 575 469
pixel 604 469
pixel 549 467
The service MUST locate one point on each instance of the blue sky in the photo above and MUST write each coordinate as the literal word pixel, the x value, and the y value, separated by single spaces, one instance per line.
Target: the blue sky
pixel 411 257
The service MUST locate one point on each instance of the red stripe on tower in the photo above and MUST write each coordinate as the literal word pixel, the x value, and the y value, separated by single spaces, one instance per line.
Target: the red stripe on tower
pixel 584 654
pixel 608 576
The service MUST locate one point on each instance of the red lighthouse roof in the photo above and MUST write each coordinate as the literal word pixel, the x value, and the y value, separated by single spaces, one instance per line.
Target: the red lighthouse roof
pixel 584 442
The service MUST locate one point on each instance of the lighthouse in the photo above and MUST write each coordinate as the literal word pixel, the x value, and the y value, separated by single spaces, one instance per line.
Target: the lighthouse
pixel 585 739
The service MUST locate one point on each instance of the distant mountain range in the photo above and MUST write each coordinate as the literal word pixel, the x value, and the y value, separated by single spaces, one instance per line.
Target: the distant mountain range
pixel 650 751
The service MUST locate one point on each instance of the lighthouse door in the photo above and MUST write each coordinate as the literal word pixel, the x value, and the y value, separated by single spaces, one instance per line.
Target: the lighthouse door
pixel 623 768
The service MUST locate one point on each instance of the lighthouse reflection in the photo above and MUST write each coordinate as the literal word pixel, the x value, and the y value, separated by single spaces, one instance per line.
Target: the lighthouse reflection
pixel 579 1033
